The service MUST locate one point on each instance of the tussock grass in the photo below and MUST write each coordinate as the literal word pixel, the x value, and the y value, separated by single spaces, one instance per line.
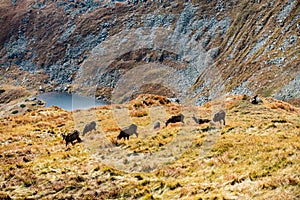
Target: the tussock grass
pixel 256 155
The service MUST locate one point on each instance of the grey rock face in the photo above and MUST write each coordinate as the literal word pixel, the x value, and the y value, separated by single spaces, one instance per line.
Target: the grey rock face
pixel 157 20
pixel 202 100
pixel 291 90
pixel 27 66
pixel 67 33
pixel 14 2
pixel 242 89
pixel 200 41
pixel 39 5
pixel 286 11
pixel 17 48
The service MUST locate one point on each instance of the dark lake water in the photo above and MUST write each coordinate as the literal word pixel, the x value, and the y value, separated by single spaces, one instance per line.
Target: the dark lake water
pixel 69 101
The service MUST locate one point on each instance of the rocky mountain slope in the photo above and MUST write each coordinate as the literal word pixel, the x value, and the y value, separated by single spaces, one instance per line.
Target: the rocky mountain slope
pixel 205 48
pixel 203 52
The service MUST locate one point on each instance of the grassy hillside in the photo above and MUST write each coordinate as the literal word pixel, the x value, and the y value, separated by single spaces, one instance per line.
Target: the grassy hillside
pixel 254 156
pixel 194 50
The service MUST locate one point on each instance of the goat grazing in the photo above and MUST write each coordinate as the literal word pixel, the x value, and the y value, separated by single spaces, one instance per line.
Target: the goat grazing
pixel 200 121
pixel 89 127
pixel 176 118
pixel 71 137
pixel 128 131
pixel 156 125
pixel 219 117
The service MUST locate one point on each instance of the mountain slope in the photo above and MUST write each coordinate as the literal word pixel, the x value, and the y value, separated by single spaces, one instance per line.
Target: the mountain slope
pixel 211 47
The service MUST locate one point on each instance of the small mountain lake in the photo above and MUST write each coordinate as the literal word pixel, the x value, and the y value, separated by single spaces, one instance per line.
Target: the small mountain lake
pixel 69 101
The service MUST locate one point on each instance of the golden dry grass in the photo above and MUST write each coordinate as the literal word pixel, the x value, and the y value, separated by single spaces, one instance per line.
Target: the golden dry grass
pixel 255 156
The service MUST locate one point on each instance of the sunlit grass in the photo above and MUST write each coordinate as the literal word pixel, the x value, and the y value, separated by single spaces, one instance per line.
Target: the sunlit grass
pixel 256 155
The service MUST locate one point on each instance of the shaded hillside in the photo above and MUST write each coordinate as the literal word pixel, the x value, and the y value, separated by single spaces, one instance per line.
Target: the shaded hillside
pixel 255 156
pixel 210 48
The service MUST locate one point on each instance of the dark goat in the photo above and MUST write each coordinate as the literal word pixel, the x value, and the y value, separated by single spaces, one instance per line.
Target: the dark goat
pixel 71 137
pixel 156 125
pixel 89 127
pixel 176 118
pixel 219 116
pixel 200 121
pixel 255 100
pixel 128 131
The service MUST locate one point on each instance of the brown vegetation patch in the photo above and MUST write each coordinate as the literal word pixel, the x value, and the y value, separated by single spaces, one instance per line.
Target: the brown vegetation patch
pixel 294 102
pixel 13 93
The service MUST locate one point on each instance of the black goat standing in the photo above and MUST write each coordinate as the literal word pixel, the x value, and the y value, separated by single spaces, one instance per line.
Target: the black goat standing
pixel 176 118
pixel 71 137
pixel 128 131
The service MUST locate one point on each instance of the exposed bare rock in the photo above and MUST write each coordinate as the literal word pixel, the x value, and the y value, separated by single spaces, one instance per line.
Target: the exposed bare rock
pixel 226 46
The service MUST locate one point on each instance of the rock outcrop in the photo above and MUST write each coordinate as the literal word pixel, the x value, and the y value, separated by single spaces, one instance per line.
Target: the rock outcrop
pixel 209 48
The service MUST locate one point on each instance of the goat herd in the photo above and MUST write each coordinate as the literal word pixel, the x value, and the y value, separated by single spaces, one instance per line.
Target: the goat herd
pixel 132 129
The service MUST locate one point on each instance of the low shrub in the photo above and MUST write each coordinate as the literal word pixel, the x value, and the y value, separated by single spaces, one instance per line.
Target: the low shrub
pixel 14 112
